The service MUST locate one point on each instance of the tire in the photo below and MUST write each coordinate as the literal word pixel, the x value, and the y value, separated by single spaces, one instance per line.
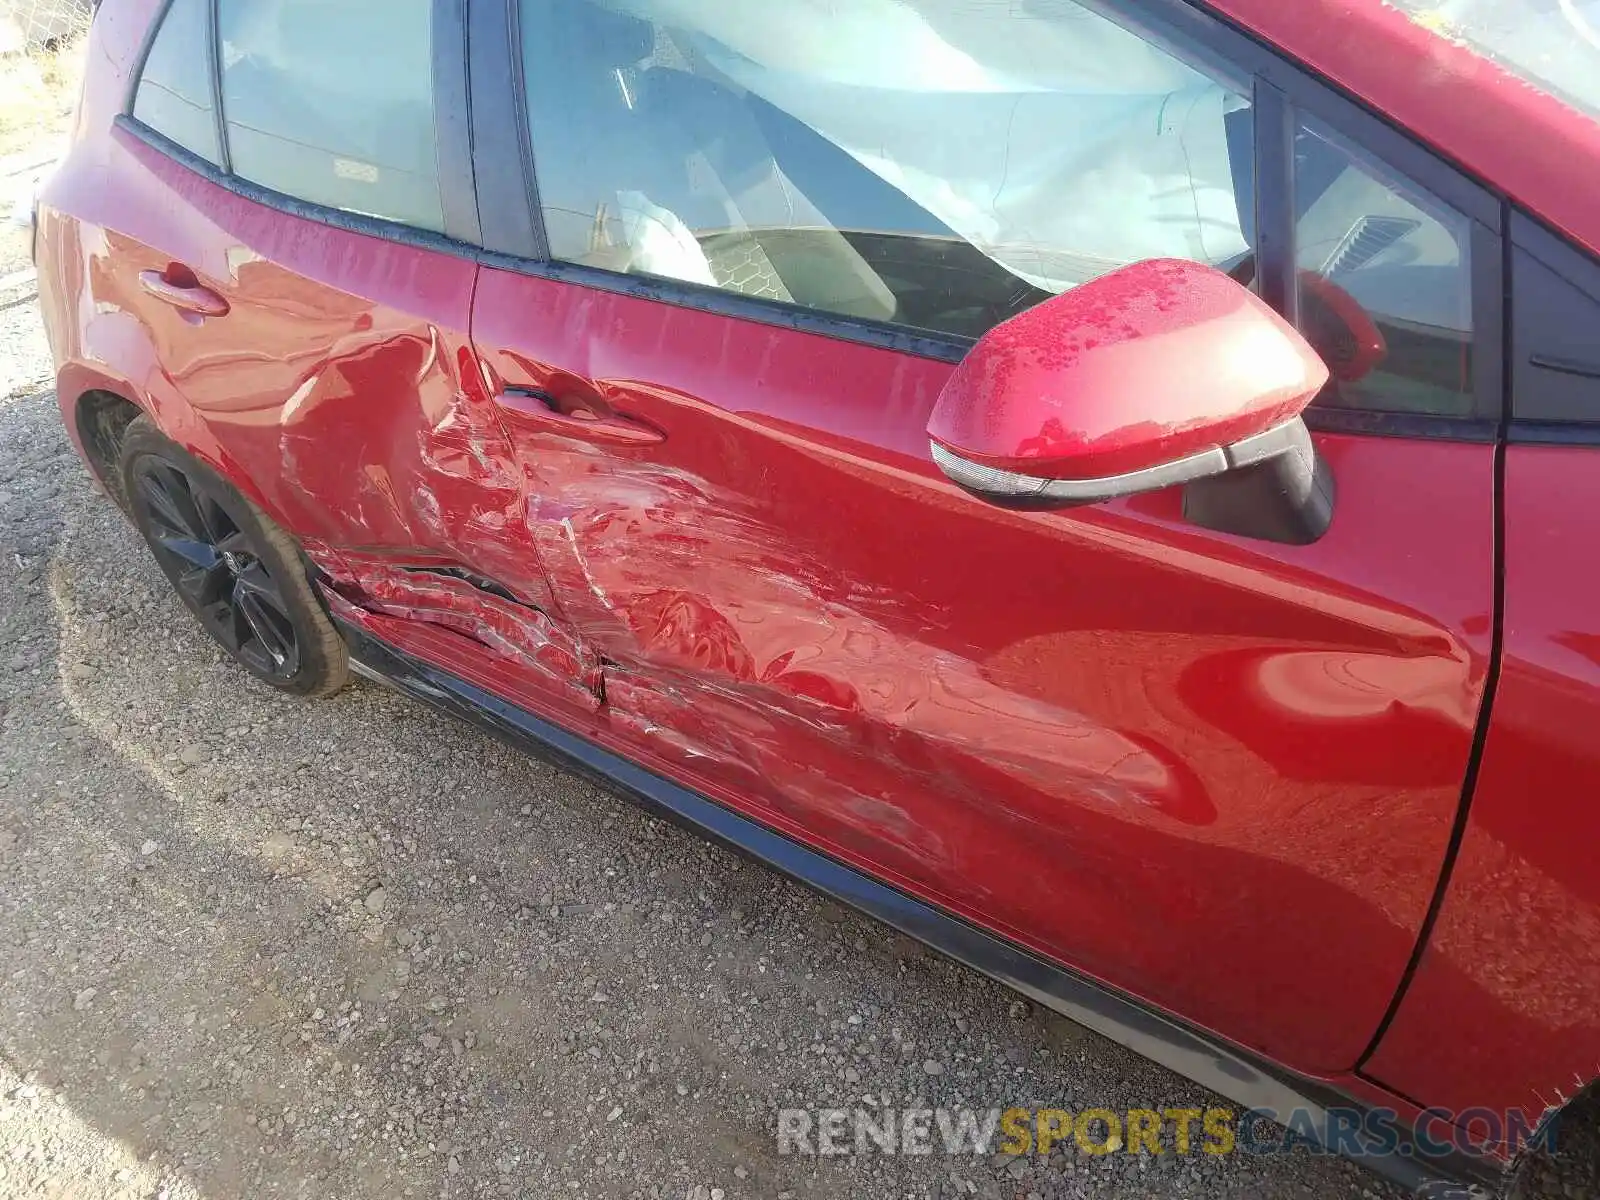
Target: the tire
pixel 242 576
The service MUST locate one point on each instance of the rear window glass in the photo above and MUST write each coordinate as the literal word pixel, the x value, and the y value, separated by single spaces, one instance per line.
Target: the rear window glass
pixel 333 103
pixel 175 91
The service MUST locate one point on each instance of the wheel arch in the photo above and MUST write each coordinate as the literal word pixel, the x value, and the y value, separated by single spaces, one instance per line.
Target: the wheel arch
pixel 97 409
pixel 100 422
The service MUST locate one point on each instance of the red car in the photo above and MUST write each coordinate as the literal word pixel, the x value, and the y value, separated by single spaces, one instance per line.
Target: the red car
pixel 1105 487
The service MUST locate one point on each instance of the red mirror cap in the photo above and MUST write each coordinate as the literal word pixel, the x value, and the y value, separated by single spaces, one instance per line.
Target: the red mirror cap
pixel 1359 343
pixel 1151 363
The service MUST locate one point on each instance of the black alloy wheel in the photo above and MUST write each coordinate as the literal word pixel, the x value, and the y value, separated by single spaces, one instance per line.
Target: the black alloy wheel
pixel 217 570
pixel 240 574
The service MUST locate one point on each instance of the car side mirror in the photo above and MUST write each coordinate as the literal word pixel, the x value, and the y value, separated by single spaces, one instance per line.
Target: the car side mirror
pixel 1164 372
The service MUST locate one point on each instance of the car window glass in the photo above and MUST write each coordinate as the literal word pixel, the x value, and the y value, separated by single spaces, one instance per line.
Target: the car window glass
pixel 935 163
pixel 333 103
pixel 1385 291
pixel 174 96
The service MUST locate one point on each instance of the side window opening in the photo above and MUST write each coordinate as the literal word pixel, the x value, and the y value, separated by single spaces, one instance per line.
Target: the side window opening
pixel 333 103
pixel 175 91
pixel 1369 239
pixel 944 166
pixel 991 160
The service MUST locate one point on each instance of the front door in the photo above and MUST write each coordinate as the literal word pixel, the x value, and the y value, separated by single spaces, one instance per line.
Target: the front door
pixel 1217 773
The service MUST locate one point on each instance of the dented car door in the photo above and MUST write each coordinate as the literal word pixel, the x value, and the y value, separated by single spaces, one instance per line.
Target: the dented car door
pixel 325 363
pixel 1217 772
pixel 355 410
pixel 1158 753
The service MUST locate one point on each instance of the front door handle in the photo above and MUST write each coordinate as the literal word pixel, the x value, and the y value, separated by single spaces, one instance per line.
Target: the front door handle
pixel 178 287
pixel 532 409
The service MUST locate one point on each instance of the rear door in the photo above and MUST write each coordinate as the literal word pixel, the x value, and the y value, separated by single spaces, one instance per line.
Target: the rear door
pixel 1499 1022
pixel 287 270
pixel 1218 773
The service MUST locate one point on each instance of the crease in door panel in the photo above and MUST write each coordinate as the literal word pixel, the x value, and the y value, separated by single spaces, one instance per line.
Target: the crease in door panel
pixel 457 599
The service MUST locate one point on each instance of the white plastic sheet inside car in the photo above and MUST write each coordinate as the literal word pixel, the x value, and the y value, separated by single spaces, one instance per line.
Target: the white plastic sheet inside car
pixel 1054 140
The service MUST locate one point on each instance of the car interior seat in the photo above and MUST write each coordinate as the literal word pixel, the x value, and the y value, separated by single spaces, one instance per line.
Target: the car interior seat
pixel 687 185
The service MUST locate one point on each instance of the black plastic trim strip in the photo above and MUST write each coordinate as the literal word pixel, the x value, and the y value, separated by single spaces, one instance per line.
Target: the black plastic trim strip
pixel 719 302
pixel 136 76
pixel 392 231
pixel 214 49
pixel 1371 422
pixel 1553 433
pixel 1566 366
pixel 1229 1070
pixel 1276 281
pixel 452 122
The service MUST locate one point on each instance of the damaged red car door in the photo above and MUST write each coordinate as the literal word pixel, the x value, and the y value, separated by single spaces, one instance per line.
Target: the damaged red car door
pixel 327 371
pixel 1218 772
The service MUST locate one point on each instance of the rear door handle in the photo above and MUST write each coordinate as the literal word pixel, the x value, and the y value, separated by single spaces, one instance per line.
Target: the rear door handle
pixel 183 292
pixel 529 408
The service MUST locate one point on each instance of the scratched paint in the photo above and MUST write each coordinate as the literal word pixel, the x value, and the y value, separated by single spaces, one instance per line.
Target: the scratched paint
pixel 809 623
pixel 1105 732
pixel 354 413
pixel 549 656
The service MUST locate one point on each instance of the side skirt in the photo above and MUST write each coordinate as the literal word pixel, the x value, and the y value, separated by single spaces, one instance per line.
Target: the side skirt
pixel 1230 1071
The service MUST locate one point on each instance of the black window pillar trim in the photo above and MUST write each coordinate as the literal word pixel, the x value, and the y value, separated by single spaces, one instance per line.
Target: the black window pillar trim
pixel 136 76
pixel 525 156
pixel 214 52
pixel 452 122
pixel 1274 200
pixel 1491 319
pixel 511 223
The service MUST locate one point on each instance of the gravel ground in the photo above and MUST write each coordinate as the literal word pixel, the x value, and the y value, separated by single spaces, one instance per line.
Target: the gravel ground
pixel 251 946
